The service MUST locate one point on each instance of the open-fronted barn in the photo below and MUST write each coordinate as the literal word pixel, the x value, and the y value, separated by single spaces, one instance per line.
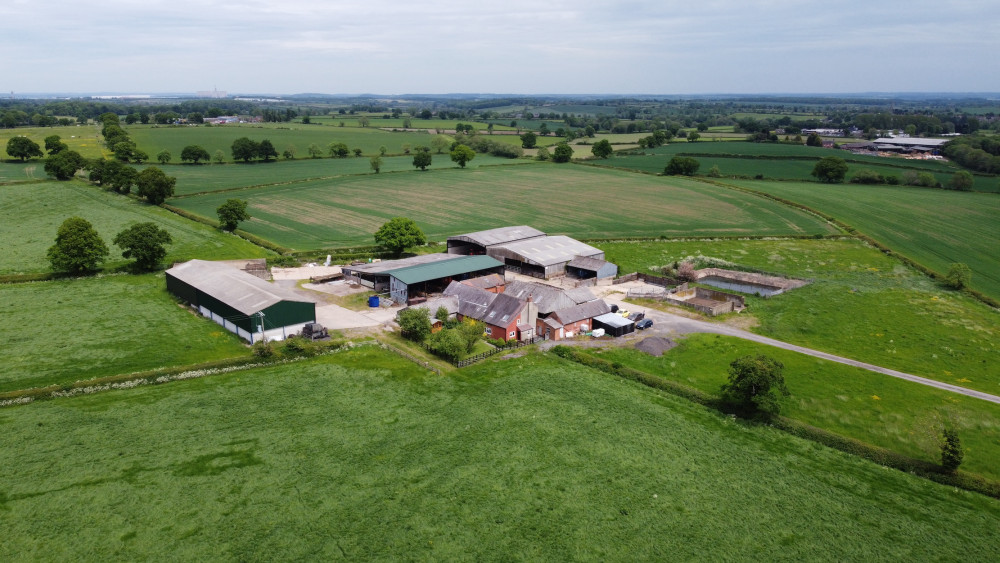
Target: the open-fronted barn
pixel 478 242
pixel 242 303
pixel 525 250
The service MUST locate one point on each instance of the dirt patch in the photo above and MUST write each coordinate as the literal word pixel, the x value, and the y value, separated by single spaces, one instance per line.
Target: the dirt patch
pixel 742 321
pixel 655 345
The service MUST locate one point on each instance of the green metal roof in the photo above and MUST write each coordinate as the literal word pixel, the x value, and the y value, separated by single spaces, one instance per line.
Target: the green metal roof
pixel 444 269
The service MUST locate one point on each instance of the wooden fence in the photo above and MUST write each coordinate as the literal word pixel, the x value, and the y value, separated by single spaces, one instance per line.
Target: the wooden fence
pixel 403 354
pixel 514 345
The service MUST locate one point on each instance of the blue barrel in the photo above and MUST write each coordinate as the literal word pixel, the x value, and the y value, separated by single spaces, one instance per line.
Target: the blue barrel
pixel 373 301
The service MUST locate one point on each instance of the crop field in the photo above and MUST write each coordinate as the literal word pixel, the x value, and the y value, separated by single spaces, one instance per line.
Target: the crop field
pixel 198 178
pixel 63 331
pixel 891 413
pixel 377 121
pixel 154 139
pixel 861 304
pixel 30 215
pixel 933 227
pixel 530 458
pixel 14 171
pixel 84 139
pixel 584 202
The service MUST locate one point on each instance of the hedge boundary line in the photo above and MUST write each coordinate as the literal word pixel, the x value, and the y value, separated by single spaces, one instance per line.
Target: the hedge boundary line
pixel 253 239
pixel 851 446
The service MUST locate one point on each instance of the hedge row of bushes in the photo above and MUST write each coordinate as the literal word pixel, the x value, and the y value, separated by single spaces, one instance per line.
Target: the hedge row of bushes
pixel 881 456
pixel 242 234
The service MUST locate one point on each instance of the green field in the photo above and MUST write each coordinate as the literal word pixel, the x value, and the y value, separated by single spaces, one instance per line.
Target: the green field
pixel 584 202
pixel 65 331
pixel 532 458
pixel 154 139
pixel 197 178
pixel 30 215
pixel 84 139
pixel 861 304
pixel 15 171
pixel 891 413
pixel 933 227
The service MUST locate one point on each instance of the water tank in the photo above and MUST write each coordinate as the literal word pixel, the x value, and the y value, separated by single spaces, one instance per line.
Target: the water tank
pixel 373 301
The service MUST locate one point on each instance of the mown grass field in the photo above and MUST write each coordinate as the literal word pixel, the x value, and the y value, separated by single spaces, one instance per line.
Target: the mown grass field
pixel 891 413
pixel 154 139
pixel 84 139
pixel 58 332
pixel 933 227
pixel 197 178
pixel 584 202
pixel 862 304
pixel 15 171
pixel 531 458
pixel 30 215
pixel 710 154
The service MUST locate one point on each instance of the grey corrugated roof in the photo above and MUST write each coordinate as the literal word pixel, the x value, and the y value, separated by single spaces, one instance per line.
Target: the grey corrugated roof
pixel 246 293
pixel 499 235
pixel 546 297
pixel 443 269
pixel 546 251
pixel 582 311
pixel 484 306
pixel 909 141
pixel 580 295
pixel 485 282
pixel 583 262
pixel 388 265
pixel 613 319
pixel 449 303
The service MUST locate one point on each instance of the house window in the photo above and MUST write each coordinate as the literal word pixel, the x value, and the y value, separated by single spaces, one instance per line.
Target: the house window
pixel 512 334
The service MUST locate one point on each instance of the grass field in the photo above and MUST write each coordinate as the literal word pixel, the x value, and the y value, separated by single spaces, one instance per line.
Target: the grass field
pixel 584 202
pixel 154 139
pixel 65 331
pixel 522 459
pixel 30 215
pixel 655 160
pixel 933 227
pixel 213 177
pixel 84 139
pixel 891 413
pixel 862 304
pixel 14 171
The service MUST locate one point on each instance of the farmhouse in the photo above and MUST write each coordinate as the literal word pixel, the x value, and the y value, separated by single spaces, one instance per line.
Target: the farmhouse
pixel 412 277
pixel 568 322
pixel 524 250
pixel 505 316
pixel 242 303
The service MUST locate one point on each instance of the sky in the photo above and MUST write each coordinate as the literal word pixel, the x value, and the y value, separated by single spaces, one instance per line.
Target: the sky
pixel 500 46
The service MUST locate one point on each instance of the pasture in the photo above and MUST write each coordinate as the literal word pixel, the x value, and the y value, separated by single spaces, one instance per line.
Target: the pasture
pixel 154 139
pixel 933 227
pixel 30 215
pixel 84 139
pixel 583 202
pixel 532 458
pixel 891 413
pixel 861 304
pixel 198 178
pixel 57 332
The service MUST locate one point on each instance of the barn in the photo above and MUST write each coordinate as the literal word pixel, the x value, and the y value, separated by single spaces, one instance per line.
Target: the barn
pixel 242 303
pixel 585 268
pixel 614 324
pixel 525 250
pixel 412 281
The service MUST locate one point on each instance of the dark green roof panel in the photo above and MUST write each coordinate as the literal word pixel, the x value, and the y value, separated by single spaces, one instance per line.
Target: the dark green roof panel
pixel 444 269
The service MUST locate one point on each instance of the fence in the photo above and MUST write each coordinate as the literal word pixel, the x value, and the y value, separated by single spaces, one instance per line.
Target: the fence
pixel 420 363
pixel 510 346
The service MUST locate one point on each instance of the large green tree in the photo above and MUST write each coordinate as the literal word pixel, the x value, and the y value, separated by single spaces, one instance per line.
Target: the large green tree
pixel 231 213
pixel 462 155
pixel 266 150
pixel 339 150
pixel 54 144
pixel 64 164
pixel 194 153
pixel 422 159
pixel 830 169
pixel 398 234
pixel 681 166
pixel 962 181
pixel 415 323
pixel 143 242
pixel 78 247
pixel 23 148
pixel 244 149
pixel 602 149
pixel 755 386
pixel 154 185
pixel 528 140
pixel 562 153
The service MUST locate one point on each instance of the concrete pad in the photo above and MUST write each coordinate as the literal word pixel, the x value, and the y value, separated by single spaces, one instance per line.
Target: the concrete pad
pixel 304 272
pixel 335 317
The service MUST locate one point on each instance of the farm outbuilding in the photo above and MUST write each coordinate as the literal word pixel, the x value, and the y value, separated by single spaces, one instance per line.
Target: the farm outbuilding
pixel 524 250
pixel 614 324
pixel 408 282
pixel 478 242
pixel 242 303
pixel 585 268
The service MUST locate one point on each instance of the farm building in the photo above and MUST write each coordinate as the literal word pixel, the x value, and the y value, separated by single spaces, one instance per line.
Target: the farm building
pixel 585 268
pixel 614 324
pixel 524 250
pixel 568 322
pixel 242 303
pixel 412 277
pixel 506 317
pixel 548 298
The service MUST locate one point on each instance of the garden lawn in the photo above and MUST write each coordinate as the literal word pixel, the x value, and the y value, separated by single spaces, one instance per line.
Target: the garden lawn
pixel 361 455
pixel 30 215
pixel 64 331
pixel 580 201
pixel 861 304
pixel 932 227
pixel 877 409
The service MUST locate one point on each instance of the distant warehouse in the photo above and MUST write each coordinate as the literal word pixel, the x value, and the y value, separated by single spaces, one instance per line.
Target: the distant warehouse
pixel 526 250
pixel 242 303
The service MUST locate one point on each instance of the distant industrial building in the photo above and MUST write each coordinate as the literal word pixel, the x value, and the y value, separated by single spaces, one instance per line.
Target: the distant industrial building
pixel 242 303
pixel 524 250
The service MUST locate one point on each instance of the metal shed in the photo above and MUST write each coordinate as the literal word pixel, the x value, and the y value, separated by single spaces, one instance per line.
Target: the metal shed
pixel 584 267
pixel 478 242
pixel 437 275
pixel 614 324
pixel 240 302
pixel 543 257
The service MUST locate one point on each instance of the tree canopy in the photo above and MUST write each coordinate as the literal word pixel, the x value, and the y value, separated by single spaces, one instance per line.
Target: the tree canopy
pixel 23 148
pixel 528 140
pixel 462 154
pixel 231 213
pixel 962 181
pixel 143 242
pixel 602 149
pixel 562 153
pixel 154 185
pixel 682 166
pixel 64 164
pixel 78 247
pixel 415 323
pixel 398 234
pixel 422 159
pixel 755 385
pixel 830 169
pixel 194 153
pixel 244 149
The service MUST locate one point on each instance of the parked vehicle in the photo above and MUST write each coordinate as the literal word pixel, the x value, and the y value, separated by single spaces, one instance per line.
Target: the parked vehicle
pixel 638 316
pixel 644 324
pixel 624 312
pixel 614 308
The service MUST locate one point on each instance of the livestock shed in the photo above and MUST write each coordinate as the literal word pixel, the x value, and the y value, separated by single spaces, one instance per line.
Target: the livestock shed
pixel 585 268
pixel 375 275
pixel 242 303
pixel 410 281
pixel 524 249
pixel 614 324
pixel 478 242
